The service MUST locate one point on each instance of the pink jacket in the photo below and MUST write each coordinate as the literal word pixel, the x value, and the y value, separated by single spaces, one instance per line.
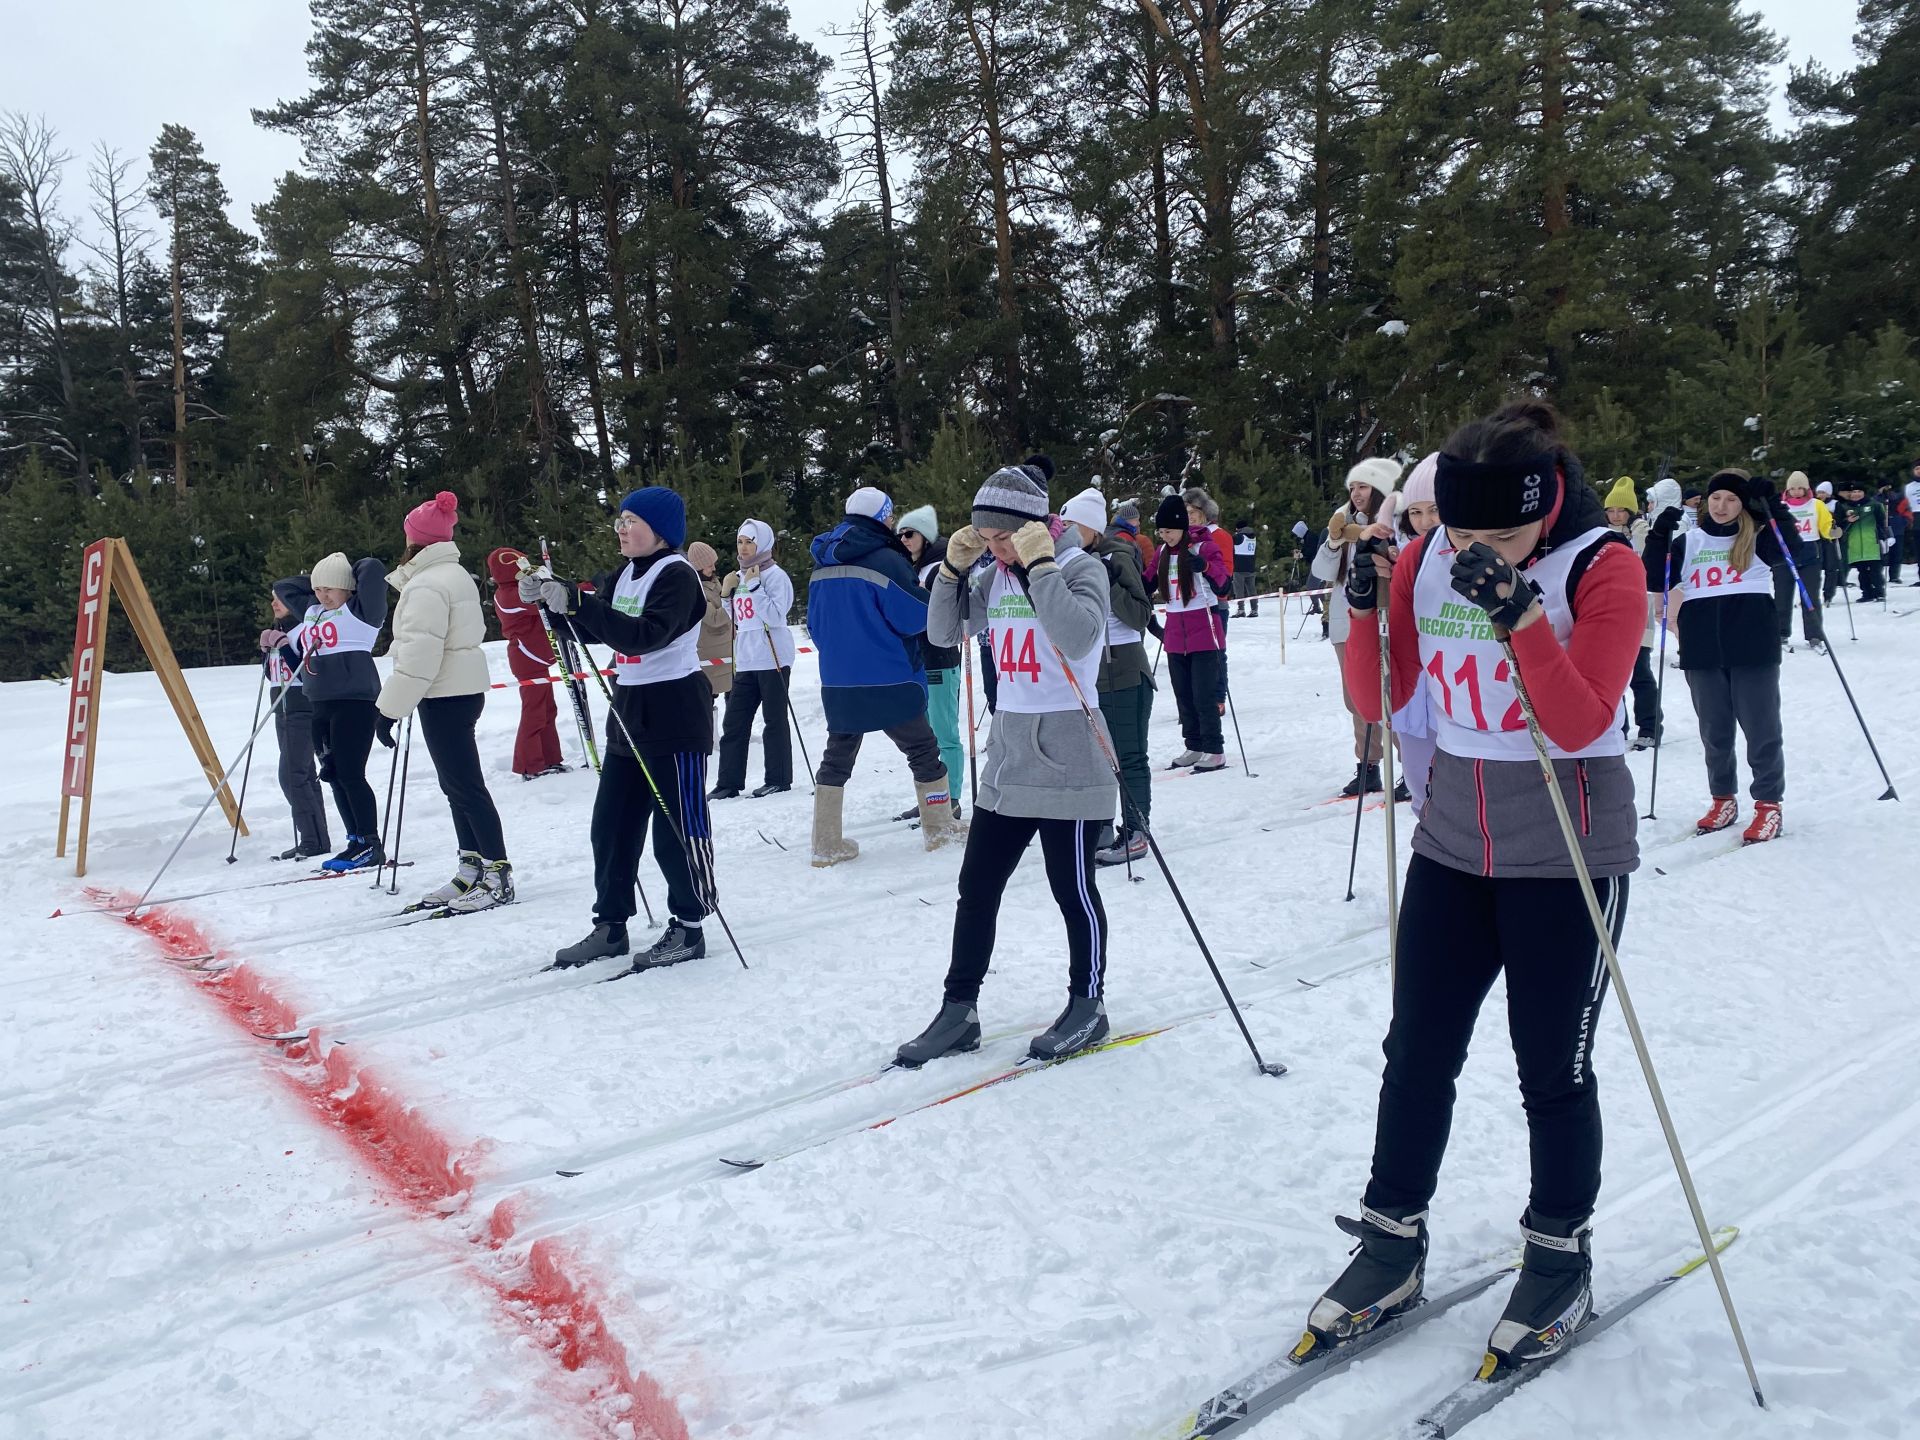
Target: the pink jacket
pixel 1198 628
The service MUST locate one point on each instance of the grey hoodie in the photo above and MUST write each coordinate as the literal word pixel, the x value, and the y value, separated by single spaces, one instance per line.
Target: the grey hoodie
pixel 1047 766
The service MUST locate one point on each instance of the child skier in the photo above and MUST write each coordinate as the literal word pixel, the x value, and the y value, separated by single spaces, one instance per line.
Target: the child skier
pixel 1523 552
pixel 649 612
pixel 1185 573
pixel 536 745
pixel 1045 771
pixel 1729 648
pixel 350 605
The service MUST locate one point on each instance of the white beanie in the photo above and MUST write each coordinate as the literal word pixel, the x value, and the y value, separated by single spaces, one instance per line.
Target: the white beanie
pixel 922 521
pixel 1378 471
pixel 873 503
pixel 1088 508
pixel 1664 494
pixel 1300 529
pixel 333 572
pixel 757 531
pixel 1825 487
pixel 1420 484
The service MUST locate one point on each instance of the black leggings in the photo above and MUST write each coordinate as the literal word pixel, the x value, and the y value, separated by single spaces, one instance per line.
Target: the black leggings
pixel 622 807
pixel 447 725
pixel 994 846
pixel 1458 931
pixel 1197 691
pixel 343 738
pixel 764 691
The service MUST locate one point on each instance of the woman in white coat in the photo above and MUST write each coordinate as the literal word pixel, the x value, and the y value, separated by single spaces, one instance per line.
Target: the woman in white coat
pixel 438 668
pixel 1368 513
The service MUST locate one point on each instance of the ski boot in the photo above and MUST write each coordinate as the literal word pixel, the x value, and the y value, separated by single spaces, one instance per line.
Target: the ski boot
pixel 1209 764
pixel 603 942
pixel 1401 795
pixel 681 941
pixel 938 823
pixel 1765 824
pixel 494 887
pixel 1386 1277
pixel 1552 1298
pixel 724 792
pixel 1081 1024
pixel 1351 790
pixel 770 788
pixel 363 852
pixel 1720 814
pixel 465 877
pixel 1185 758
pixel 1132 845
pixel 954 1030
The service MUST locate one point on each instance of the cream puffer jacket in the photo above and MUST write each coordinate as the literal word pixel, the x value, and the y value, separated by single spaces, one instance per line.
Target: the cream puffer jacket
pixel 437 629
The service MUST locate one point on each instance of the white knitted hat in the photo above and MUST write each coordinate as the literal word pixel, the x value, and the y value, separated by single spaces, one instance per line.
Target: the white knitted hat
pixel 1088 508
pixel 333 572
pixel 1378 471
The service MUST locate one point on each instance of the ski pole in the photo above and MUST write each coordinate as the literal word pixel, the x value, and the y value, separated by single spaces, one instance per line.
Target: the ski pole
pixel 1221 640
pixel 576 691
pixel 1800 585
pixel 686 849
pixel 1267 1067
pixel 1605 937
pixel 1387 742
pixel 386 820
pixel 1359 802
pixel 966 660
pixel 399 819
pixel 247 768
pixel 793 716
pixel 1660 695
pixel 1846 594
pixel 219 788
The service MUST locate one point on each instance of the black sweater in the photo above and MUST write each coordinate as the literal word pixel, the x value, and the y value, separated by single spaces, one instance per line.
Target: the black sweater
pixel 1722 631
pixel 675 715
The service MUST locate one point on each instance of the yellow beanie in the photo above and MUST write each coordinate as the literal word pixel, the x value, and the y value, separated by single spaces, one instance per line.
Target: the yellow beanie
pixel 1623 496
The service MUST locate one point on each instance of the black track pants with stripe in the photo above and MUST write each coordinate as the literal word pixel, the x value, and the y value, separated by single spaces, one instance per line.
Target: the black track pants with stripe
pixel 623 808
pixel 1457 932
pixel 995 843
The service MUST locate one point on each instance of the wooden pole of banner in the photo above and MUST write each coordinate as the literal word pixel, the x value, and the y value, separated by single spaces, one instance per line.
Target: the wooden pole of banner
pixel 117 568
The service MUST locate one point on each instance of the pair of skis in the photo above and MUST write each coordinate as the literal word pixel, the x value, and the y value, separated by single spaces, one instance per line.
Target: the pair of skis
pixel 1251 1399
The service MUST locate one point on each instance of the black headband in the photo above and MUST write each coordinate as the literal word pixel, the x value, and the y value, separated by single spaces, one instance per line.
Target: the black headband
pixel 1487 495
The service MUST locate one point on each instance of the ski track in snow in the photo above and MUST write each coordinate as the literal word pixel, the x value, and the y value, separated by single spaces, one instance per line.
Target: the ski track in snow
pixel 366 1232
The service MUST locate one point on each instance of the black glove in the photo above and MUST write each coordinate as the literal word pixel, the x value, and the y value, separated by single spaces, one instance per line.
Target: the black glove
pixel 1363 577
pixel 1479 574
pixel 1666 522
pixel 383 727
pixel 1760 493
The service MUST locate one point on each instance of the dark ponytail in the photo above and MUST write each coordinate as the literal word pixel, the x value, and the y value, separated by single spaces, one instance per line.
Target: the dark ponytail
pixel 1515 433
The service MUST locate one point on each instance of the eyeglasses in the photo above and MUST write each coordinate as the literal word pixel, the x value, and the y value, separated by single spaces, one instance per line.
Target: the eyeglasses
pixel 625 521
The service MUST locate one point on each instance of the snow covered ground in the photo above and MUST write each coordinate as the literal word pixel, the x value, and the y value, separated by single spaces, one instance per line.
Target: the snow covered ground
pixel 485 1202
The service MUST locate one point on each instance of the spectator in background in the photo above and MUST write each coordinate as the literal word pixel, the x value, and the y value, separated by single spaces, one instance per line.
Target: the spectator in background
pixel 1899 521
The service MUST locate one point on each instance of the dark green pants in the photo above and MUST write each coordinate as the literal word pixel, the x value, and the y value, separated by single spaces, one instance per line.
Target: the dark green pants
pixel 1127 712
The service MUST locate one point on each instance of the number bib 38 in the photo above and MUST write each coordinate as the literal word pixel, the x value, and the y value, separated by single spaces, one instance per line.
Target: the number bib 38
pixel 1474 708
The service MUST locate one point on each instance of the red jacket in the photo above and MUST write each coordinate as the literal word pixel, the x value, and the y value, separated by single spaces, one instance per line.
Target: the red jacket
pixel 529 655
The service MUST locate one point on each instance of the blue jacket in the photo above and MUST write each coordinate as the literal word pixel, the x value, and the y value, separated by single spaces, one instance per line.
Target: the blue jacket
pixel 866 612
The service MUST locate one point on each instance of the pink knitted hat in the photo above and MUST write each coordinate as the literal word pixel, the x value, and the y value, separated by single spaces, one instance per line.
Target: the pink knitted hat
pixel 432 522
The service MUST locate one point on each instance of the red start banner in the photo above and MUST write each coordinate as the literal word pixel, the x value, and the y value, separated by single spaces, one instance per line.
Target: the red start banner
pixel 88 632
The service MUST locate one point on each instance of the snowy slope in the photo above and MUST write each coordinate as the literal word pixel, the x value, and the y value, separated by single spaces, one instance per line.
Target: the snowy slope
pixel 210 1234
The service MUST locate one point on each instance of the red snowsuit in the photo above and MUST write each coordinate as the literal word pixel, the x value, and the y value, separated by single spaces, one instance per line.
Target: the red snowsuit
pixel 537 745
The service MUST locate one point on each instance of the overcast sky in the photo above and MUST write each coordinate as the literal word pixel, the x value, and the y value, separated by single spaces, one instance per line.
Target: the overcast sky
pixel 116 70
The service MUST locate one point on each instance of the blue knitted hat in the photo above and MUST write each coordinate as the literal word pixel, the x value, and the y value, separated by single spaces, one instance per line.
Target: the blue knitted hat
pixel 664 512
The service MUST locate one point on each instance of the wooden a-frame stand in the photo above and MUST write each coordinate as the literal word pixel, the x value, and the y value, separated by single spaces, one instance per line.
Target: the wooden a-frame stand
pixel 106 564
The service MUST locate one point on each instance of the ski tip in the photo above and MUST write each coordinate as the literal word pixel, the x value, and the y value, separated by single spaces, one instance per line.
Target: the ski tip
pixel 284 1037
pixel 56 913
pixel 742 1164
pixel 569 1174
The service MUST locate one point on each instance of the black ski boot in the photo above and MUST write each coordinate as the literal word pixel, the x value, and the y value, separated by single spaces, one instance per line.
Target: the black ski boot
pixel 603 942
pixel 1387 1275
pixel 1082 1023
pixel 956 1028
pixel 770 788
pixel 1351 789
pixel 724 792
pixel 680 942
pixel 1553 1296
pixel 911 813
pixel 1401 795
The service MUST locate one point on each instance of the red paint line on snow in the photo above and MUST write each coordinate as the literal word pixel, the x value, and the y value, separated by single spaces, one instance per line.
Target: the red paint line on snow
pixel 546 1293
